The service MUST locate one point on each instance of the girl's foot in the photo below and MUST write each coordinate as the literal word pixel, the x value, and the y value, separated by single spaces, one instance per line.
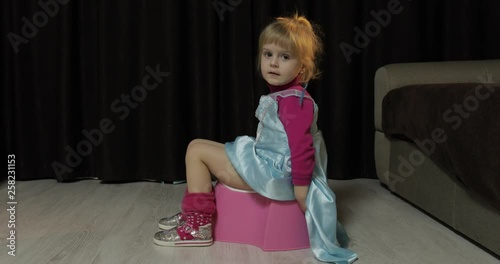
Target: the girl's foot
pixel 185 235
pixel 194 225
pixel 174 221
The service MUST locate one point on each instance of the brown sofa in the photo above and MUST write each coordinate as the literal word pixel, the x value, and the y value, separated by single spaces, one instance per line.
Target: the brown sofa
pixel 427 185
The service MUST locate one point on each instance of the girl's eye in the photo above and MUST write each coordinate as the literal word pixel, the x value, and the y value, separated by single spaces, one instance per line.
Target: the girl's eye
pixel 285 57
pixel 267 54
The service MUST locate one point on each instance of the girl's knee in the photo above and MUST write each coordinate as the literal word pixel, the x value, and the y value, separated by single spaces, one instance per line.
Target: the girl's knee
pixel 195 141
pixel 198 142
pixel 195 148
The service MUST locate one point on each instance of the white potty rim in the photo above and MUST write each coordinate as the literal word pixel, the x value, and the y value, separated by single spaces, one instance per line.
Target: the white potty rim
pixel 235 189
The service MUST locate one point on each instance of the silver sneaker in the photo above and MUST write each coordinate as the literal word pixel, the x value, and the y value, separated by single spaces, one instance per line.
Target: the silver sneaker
pixel 170 238
pixel 168 223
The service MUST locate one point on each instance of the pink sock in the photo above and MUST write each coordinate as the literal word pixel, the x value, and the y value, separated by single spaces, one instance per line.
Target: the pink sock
pixel 198 209
pixel 199 202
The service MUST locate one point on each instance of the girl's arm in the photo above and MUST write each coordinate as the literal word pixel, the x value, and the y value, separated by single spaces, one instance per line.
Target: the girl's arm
pixel 297 120
pixel 300 195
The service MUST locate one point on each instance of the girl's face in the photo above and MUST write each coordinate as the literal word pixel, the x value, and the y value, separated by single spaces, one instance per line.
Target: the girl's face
pixel 278 65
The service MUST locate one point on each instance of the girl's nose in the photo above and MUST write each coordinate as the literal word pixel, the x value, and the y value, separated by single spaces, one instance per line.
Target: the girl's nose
pixel 274 62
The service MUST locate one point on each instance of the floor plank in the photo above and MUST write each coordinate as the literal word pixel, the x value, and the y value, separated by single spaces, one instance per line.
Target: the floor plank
pixel 90 222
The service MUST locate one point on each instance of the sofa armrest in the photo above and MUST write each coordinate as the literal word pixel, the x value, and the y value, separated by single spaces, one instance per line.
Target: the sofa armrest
pixel 393 76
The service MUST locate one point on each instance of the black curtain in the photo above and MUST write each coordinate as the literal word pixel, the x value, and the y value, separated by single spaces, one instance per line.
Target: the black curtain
pixel 115 90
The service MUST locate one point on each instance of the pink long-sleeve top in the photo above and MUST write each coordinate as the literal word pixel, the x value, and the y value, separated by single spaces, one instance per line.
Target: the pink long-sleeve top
pixel 297 120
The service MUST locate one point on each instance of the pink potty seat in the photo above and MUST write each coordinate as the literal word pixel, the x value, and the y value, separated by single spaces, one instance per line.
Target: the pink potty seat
pixel 247 217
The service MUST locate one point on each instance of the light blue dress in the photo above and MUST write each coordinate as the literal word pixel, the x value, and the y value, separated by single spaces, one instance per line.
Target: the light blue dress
pixel 264 163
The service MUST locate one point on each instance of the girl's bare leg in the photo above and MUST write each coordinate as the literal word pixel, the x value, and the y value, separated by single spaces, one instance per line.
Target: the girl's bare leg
pixel 205 158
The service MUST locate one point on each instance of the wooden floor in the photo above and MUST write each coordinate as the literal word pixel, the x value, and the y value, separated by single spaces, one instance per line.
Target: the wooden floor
pixel 90 222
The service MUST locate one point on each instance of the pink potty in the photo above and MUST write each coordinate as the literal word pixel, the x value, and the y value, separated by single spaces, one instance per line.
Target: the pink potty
pixel 246 217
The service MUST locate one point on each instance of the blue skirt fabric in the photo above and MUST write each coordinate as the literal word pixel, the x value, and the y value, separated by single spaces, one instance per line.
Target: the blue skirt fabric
pixel 264 163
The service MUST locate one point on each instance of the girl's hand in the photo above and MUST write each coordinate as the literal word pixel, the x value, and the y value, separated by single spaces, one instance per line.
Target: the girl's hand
pixel 300 195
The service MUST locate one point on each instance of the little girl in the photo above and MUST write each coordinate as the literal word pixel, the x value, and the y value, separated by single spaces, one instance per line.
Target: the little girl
pixel 286 161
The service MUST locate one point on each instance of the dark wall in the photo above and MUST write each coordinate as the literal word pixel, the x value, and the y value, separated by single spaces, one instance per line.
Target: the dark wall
pixel 71 70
